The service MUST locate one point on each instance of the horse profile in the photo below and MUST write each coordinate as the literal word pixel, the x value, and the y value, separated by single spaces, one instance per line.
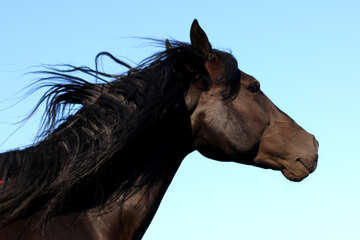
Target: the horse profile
pixel 101 171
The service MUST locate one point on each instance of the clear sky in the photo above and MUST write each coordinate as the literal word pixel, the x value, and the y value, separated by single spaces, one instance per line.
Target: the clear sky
pixel 306 54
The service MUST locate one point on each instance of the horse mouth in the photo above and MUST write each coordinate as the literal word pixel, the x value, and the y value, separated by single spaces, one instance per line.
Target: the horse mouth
pixel 296 171
pixel 293 170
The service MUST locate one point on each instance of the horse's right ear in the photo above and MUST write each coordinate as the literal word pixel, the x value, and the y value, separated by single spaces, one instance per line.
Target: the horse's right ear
pixel 199 40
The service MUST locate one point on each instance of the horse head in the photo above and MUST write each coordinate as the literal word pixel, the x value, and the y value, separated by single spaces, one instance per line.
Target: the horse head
pixel 233 120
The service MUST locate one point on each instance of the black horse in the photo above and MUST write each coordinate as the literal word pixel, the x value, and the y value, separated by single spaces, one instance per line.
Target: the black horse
pixel 102 172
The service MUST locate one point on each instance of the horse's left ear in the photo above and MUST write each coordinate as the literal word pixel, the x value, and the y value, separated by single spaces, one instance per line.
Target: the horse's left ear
pixel 199 40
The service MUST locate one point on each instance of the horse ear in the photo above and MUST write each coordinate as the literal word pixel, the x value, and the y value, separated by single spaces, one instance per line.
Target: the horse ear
pixel 199 40
pixel 168 44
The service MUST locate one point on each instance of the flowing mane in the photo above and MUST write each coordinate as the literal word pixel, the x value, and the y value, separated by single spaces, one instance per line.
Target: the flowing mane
pixel 76 151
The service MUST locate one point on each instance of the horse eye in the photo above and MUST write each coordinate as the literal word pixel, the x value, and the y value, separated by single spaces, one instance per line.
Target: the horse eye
pixel 254 87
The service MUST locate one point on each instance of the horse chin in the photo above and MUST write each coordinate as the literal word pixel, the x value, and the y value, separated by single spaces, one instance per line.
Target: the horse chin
pixel 295 176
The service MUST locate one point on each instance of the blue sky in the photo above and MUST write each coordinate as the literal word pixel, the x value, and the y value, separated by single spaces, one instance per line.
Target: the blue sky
pixel 304 53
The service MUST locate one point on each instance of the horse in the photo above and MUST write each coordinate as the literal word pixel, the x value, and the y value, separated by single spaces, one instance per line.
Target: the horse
pixel 100 170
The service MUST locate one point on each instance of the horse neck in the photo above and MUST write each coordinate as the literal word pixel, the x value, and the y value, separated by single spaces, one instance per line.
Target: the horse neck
pixel 131 219
pixel 164 148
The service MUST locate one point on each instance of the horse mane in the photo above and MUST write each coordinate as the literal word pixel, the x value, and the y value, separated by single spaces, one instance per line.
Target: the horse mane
pixel 86 126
